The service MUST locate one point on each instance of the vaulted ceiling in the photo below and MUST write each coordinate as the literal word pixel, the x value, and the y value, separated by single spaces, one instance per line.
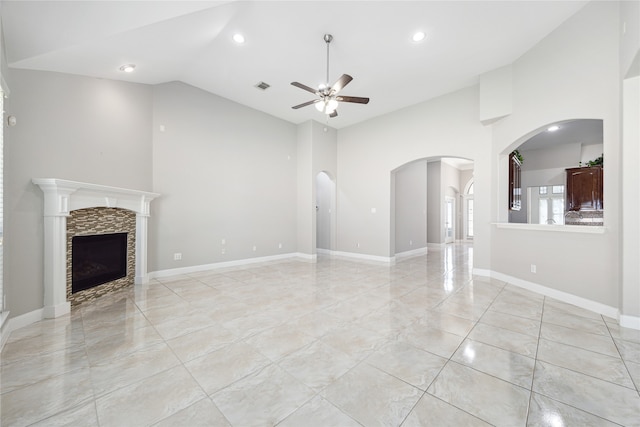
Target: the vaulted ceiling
pixel 192 42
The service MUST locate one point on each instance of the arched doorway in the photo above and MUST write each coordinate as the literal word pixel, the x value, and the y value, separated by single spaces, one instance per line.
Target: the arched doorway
pixel 426 207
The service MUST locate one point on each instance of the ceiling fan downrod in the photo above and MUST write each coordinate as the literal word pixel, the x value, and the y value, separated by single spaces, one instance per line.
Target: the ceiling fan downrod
pixel 327 38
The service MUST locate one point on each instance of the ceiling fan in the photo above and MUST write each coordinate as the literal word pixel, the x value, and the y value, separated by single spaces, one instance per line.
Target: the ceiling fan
pixel 328 100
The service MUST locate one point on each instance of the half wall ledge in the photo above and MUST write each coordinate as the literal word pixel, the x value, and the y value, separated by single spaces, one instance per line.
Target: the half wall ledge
pixel 60 198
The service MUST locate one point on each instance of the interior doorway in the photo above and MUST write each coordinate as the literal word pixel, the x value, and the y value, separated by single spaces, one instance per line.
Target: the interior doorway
pixel 449 219
pixel 468 211
pixel 325 210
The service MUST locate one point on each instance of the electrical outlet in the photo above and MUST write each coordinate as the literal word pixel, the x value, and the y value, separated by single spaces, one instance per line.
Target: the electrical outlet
pixel 279 245
pixel 357 245
pixel 255 248
pixel 533 268
pixel 177 256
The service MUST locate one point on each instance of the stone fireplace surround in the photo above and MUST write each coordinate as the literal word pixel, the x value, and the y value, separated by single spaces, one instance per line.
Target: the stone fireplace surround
pixel 100 221
pixel 60 198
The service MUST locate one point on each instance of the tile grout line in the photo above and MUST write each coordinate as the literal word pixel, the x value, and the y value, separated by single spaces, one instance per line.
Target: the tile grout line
pixel 624 361
pixel 535 361
pixel 448 360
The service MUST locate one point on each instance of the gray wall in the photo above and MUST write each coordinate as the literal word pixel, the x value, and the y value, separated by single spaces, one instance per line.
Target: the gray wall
pixel 559 80
pixel 411 207
pixel 224 171
pixel 434 202
pixel 69 127
pixel 367 153
pixel 325 191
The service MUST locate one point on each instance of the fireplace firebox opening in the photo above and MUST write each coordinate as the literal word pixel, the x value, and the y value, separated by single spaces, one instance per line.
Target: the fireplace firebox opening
pixel 97 259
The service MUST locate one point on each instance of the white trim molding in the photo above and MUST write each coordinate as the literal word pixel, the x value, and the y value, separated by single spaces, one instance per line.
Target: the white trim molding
pixel 60 198
pixel 411 253
pixel 363 257
pixel 632 322
pixel 225 264
pixel 587 304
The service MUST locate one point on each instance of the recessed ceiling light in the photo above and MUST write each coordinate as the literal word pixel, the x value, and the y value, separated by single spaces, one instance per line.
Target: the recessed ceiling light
pixel 553 128
pixel 419 36
pixel 128 68
pixel 238 38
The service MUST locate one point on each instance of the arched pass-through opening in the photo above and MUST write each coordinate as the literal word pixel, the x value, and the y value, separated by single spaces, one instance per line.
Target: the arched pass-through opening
pixel 555 175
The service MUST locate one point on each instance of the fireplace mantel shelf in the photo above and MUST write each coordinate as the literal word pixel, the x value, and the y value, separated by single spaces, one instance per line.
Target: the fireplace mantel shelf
pixel 58 200
pixel 63 196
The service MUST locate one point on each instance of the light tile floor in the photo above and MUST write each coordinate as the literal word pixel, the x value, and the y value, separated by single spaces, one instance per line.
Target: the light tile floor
pixel 336 343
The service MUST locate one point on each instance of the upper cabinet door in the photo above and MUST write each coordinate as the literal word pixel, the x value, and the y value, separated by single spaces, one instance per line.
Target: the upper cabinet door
pixel 584 189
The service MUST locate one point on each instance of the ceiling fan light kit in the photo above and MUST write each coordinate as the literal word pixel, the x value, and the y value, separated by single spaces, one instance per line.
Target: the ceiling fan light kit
pixel 329 100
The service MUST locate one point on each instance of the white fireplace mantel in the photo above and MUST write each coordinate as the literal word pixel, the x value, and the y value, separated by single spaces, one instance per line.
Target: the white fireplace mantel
pixel 62 196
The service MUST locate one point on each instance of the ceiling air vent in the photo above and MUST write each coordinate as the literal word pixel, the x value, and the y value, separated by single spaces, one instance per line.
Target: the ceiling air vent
pixel 263 86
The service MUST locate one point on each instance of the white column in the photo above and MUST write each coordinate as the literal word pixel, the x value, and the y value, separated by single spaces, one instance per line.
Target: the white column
pixel 142 220
pixel 630 287
pixel 55 267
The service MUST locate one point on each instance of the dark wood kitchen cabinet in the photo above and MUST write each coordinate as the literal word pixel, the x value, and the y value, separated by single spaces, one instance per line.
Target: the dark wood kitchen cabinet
pixel 584 189
pixel 515 183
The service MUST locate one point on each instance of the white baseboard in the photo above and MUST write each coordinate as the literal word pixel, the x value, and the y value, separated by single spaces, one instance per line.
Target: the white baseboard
pixel 53 311
pixel 585 303
pixel 411 253
pixel 20 322
pixel 307 257
pixel 435 246
pixel 4 328
pixel 225 264
pixel 363 257
pixel 632 322
pixel 481 272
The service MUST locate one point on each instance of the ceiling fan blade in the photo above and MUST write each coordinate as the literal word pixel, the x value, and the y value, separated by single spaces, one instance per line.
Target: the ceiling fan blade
pixel 305 87
pixel 334 114
pixel 304 104
pixel 340 83
pixel 355 99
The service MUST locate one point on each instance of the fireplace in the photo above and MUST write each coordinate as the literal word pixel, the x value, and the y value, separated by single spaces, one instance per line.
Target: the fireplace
pixel 64 201
pixel 100 252
pixel 97 259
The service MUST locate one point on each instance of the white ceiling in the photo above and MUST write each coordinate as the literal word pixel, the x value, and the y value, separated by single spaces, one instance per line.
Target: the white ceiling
pixel 191 41
pixel 581 131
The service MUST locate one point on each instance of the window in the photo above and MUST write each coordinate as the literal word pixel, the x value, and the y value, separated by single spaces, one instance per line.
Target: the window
pixel 550 203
